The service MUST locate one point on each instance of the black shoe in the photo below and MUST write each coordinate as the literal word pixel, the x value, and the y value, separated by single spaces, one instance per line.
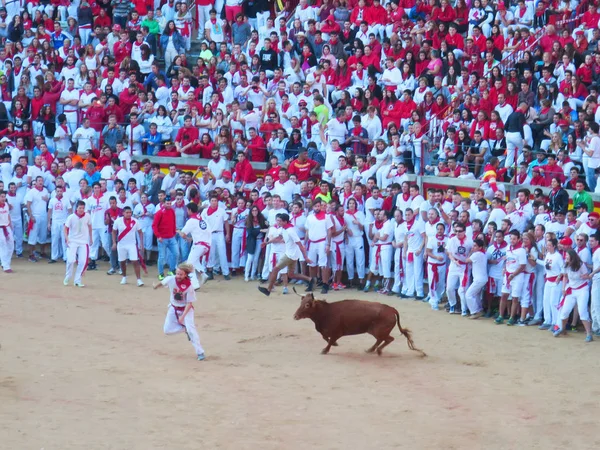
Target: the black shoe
pixel 311 285
pixel 92 266
pixel 227 277
pixel 263 280
pixel 233 273
pixel 210 275
pixel 319 283
pixel 51 261
pixel 106 258
pixel 264 290
pixel 325 289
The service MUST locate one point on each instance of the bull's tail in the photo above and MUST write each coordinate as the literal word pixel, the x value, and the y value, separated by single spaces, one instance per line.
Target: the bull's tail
pixel 408 335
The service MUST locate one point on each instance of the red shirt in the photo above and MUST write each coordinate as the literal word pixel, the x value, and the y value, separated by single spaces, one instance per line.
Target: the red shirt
pixel 258 148
pixel 244 172
pixel 302 170
pixel 164 225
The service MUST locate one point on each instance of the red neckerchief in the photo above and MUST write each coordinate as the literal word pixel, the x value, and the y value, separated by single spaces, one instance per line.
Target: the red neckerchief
pixel 183 285
pixel 78 215
pixel 341 220
pixel 356 131
pixel 288 225
pixel 519 245
pixel 592 227
pixel 434 223
pixel 440 238
pixel 379 224
pixel 498 247
pixel 11 194
pixel 410 223
pixel 210 211
pixel 405 197
pixel 320 215
pixel 97 199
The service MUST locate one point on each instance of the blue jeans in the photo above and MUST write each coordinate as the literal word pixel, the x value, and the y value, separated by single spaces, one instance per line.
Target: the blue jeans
pixel 183 247
pixel 170 246
pixel 591 178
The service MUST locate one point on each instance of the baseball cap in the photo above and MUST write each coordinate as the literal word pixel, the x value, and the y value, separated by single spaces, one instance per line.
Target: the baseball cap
pixel 563 123
pixel 594 214
pixel 581 205
pixel 566 242
pixel 226 174
pixel 116 27
pixel 5 139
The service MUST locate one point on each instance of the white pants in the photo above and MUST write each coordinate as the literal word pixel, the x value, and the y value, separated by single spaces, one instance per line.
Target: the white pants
pixel 577 297
pixel 455 281
pixel 148 236
pixel 170 55
pixel 538 303
pixel 552 293
pixel 355 254
pixel 7 246
pixel 399 265
pixel 473 296
pixel 84 33
pixel 381 260
pixel 251 268
pixel 127 252
pixel 316 253
pixel 528 290
pixel 382 180
pixel 266 270
pixel 18 235
pixel 338 252
pixel 436 292
pixel 81 254
pixel 203 14
pixel 413 275
pixel 596 307
pixel 59 248
pixel 514 145
pixel 72 122
pixel 218 250
pixel 97 241
pixel 238 248
pixel 195 257
pixel 39 232
pixel 172 326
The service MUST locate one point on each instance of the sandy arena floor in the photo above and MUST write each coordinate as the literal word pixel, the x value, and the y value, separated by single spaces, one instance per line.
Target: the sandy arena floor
pixel 90 368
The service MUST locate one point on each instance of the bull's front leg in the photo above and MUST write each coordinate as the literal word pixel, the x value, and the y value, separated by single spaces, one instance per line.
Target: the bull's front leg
pixel 327 340
pixel 331 342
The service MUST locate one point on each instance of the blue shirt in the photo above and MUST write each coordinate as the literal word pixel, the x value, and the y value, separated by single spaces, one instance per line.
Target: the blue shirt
pixel 93 178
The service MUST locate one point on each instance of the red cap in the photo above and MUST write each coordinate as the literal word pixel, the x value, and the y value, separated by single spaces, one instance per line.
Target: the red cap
pixel 566 242
pixel 579 33
pixel 116 27
pixel 501 6
pixel 226 174
pixel 594 214
pixel 563 123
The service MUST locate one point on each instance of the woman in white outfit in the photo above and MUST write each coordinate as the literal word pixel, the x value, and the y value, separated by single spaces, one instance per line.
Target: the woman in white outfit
pixel 180 315
pixel 575 292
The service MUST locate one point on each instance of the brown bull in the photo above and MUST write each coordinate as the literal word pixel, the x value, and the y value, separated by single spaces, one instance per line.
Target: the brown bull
pixel 348 317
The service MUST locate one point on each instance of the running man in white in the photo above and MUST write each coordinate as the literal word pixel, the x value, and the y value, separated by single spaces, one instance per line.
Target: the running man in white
pixel 78 237
pixel 7 243
pixel 201 236
pixel 478 262
pixel 59 209
pixel 180 315
pixel 124 241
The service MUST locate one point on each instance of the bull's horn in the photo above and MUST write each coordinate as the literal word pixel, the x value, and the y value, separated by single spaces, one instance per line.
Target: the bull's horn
pixel 294 289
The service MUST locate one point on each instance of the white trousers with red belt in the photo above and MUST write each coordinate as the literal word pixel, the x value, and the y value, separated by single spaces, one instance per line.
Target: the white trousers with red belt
pixel 238 248
pixel 473 296
pixel 79 253
pixel 454 282
pixel 413 274
pixel 218 250
pixel 7 246
pixel 437 288
pixel 196 258
pixel 172 326
pixel 552 293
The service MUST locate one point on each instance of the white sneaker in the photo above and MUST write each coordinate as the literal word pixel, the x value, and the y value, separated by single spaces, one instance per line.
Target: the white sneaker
pixel 78 284
pixel 66 281
pixel 140 283
pixel 203 279
pixel 124 280
pixel 246 279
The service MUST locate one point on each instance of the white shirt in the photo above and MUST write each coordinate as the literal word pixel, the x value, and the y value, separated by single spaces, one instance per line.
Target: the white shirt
pixel 144 216
pixel 460 251
pixel 217 167
pixel 97 208
pixel 291 239
pixel 353 228
pixel 216 220
pixel 479 267
pixel 199 229
pixel 38 199
pixel 79 231
pixel 497 253
pixel 67 95
pixel 317 228
pixel 415 235
pixel 285 190
pixel 340 176
pixel 515 257
pixel 4 215
pixel 84 138
pixel 372 204
pixel 128 239
pixel 188 295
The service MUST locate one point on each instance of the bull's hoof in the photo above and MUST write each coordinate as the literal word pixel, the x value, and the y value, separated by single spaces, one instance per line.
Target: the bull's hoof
pixel 369 350
pixel 379 352
pixel 324 351
pixel 334 344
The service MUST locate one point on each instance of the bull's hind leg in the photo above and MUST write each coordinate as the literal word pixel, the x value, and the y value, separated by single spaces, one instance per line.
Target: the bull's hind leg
pixel 388 340
pixel 372 349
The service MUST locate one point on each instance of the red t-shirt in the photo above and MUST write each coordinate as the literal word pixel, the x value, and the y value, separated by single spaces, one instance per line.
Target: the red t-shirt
pixel 302 170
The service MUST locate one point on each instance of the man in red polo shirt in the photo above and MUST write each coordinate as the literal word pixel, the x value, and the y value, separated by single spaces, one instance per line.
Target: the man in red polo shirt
pixel 187 142
pixel 303 167
pixel 256 146
pixel 244 173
